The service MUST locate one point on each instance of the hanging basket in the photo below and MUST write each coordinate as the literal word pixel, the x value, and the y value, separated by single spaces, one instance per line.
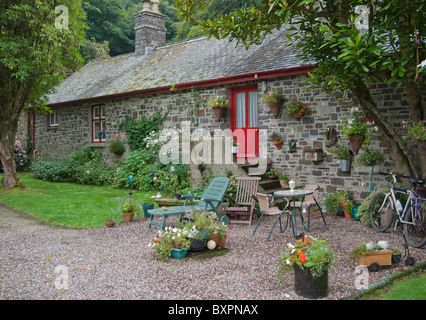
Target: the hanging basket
pixel 275 109
pixel 219 111
pixel 297 115
pixel 356 142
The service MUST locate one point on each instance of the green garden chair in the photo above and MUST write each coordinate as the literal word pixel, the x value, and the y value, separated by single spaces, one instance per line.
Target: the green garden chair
pixel 210 200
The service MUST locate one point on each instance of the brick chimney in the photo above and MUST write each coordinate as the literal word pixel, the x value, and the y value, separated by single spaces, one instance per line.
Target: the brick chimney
pixel 150 28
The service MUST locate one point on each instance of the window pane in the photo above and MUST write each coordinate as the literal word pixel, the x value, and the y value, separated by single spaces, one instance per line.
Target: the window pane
pixel 253 109
pixel 53 119
pixel 96 112
pixel 102 112
pixel 103 129
pixel 241 109
pixel 96 130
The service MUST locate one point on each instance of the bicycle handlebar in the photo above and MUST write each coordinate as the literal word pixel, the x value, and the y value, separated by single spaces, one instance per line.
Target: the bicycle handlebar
pixel 393 174
pixel 413 180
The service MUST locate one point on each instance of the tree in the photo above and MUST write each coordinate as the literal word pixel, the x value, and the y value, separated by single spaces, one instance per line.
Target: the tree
pixel 350 54
pixel 108 21
pixel 38 47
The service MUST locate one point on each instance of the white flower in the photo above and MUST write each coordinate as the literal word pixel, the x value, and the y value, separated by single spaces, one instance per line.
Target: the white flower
pixel 290 245
pixel 288 261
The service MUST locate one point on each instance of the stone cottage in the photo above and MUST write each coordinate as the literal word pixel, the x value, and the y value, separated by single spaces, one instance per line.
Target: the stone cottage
pixel 90 104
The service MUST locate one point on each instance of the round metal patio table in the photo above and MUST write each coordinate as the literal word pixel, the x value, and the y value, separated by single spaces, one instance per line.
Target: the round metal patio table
pixel 293 195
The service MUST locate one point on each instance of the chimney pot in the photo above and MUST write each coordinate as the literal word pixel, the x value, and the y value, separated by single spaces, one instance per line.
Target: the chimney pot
pixel 150 28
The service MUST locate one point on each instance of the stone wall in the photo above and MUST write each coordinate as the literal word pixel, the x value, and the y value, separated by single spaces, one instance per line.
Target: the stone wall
pixel 73 132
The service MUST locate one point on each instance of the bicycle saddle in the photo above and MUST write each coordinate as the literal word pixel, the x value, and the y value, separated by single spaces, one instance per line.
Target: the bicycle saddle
pixel 417 181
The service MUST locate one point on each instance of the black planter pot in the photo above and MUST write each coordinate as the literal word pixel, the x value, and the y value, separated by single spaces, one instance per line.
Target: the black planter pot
pixel 309 286
pixel 197 245
pixel 396 258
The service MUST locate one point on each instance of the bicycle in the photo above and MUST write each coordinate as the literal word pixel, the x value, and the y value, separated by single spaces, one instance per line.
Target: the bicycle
pixel 385 207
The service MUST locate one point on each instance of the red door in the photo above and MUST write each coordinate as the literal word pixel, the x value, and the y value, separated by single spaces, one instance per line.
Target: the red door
pixel 245 121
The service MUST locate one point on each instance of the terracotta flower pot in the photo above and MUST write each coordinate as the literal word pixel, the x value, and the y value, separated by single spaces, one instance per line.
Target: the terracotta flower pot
pixel 218 111
pixel 128 216
pixel 110 224
pixel 221 241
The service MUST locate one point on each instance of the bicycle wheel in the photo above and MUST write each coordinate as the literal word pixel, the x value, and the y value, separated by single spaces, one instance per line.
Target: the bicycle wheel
pixel 381 212
pixel 414 226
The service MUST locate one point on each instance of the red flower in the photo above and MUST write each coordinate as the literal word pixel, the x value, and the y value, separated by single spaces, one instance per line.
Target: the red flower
pixel 302 256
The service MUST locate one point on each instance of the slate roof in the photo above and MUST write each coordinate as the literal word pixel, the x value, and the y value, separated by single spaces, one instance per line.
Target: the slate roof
pixel 184 62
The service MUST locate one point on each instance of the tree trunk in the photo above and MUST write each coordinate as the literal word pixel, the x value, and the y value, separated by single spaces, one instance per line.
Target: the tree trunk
pixel 11 178
pixel 398 151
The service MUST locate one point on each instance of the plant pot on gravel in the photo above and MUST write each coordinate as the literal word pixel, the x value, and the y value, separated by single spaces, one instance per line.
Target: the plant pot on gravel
pixel 197 245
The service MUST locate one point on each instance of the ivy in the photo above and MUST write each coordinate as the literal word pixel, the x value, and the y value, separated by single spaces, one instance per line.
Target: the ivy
pixel 138 130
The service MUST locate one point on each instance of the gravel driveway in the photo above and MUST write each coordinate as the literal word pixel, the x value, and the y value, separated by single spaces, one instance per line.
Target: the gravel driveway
pixel 116 263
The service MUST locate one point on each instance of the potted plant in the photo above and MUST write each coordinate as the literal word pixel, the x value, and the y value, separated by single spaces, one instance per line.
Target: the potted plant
pixel 371 256
pixel 283 181
pixel 370 157
pixel 276 139
pixel 332 201
pixel 235 146
pixel 358 130
pixel 275 101
pixel 172 242
pixel 396 255
pixel 110 218
pixel 116 145
pixel 219 106
pixel 129 208
pixel 201 228
pixel 346 205
pixel 310 260
pixel 344 153
pixel 296 108
pixel 271 174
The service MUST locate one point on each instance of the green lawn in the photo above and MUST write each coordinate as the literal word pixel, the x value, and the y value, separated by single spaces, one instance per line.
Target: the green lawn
pixel 412 287
pixel 66 204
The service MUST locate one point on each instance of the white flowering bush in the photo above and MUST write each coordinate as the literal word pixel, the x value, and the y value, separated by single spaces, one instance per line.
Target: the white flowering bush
pixel 168 239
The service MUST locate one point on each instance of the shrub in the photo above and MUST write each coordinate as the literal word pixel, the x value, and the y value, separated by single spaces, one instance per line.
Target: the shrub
pixel 51 170
pixel 141 165
pixel 332 200
pixel 117 146
pixel 86 167
pixel 93 172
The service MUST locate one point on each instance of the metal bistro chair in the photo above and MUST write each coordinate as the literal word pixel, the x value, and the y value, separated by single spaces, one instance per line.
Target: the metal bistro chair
pixel 265 209
pixel 310 201
pixel 244 203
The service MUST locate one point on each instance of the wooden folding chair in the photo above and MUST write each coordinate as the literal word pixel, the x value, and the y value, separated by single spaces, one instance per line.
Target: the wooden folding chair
pixel 244 203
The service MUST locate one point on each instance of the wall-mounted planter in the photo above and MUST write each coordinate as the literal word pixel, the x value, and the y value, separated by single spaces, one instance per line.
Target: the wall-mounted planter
pixel 314 155
pixel 345 165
